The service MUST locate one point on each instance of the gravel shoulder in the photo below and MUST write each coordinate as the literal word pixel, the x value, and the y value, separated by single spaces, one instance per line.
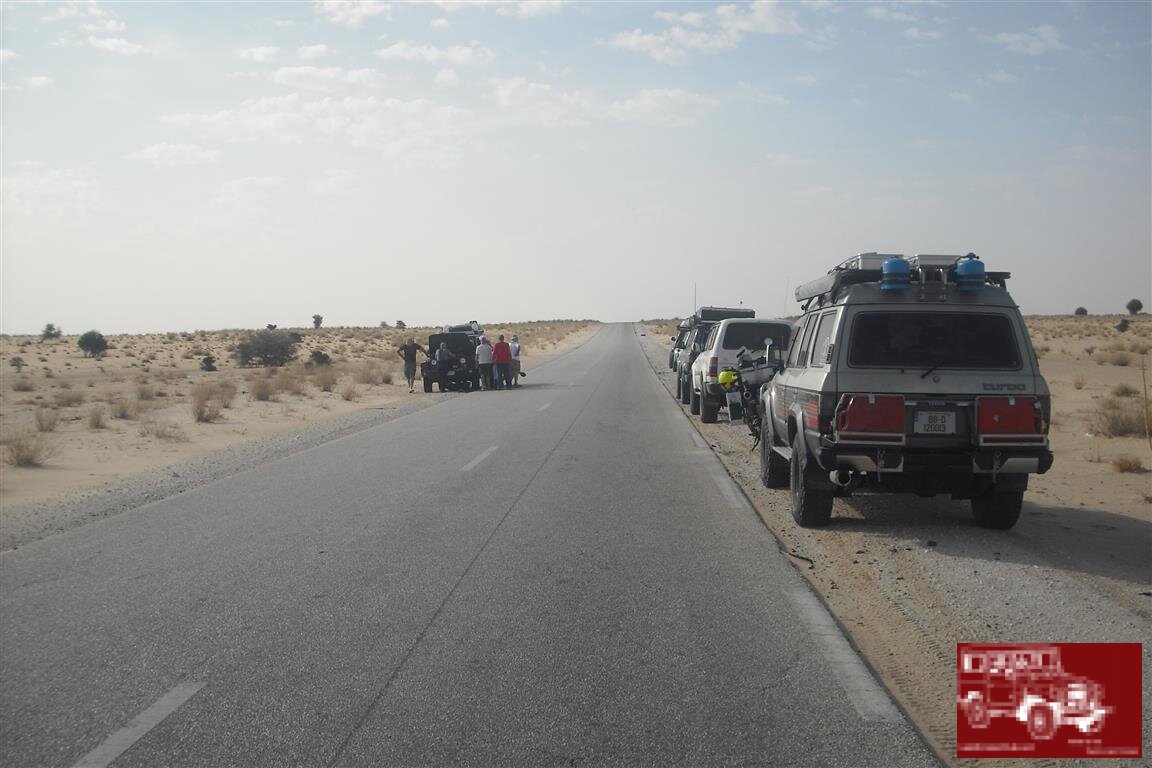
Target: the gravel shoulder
pixel 908 578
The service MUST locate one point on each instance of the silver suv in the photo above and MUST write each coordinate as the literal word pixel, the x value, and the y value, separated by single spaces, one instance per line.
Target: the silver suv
pixel 907 376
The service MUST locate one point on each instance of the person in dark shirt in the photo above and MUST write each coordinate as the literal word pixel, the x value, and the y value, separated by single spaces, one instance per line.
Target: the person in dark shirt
pixel 407 353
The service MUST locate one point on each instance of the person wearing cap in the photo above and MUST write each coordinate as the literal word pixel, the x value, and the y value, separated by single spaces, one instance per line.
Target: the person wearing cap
pixel 502 359
pixel 407 353
pixel 484 362
pixel 514 371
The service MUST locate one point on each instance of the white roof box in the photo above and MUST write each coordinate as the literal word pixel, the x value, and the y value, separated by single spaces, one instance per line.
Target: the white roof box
pixel 871 260
pixel 930 260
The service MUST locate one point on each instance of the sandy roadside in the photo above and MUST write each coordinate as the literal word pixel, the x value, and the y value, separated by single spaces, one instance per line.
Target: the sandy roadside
pixel 158 448
pixel 909 578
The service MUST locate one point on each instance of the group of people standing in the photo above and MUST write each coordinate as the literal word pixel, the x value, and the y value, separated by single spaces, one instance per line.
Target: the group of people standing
pixel 499 363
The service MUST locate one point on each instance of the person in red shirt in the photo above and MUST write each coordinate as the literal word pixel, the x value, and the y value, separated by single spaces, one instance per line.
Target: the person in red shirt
pixel 502 360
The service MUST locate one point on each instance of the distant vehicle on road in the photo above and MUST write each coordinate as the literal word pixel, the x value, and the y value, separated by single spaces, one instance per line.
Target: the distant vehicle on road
pixel 462 374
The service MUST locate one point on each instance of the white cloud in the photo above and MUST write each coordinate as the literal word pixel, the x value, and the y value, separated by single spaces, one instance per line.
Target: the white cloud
pixel 171 155
pixel 116 45
pixel 417 132
pixel 447 78
pixel 39 81
pixel 885 13
pixel 440 23
pixel 350 13
pixel 1000 76
pixel 285 23
pixel 457 55
pixel 760 96
pixel 960 98
pixel 334 181
pixel 58 192
pixel 7 54
pixel 249 194
pixel 261 54
pixel 923 35
pixel 672 107
pixel 523 9
pixel 69 10
pixel 1034 42
pixel 107 25
pixel 313 52
pixel 721 29
pixel 805 79
pixel 326 78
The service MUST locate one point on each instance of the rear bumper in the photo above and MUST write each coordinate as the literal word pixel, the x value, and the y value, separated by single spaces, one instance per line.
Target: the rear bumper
pixel 899 460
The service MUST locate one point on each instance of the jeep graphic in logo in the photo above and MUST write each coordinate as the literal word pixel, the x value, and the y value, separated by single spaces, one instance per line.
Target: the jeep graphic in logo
pixel 989 387
pixel 1048 700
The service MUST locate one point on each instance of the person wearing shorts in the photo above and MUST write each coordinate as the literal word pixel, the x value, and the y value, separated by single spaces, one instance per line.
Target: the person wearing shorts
pixel 407 353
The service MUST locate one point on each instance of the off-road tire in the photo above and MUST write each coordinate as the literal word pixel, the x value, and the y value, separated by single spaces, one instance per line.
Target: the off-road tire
pixel 679 386
pixel 977 714
pixel 694 403
pixel 427 385
pixel 709 409
pixel 997 509
pixel 773 466
pixel 811 504
pixel 685 391
pixel 1041 722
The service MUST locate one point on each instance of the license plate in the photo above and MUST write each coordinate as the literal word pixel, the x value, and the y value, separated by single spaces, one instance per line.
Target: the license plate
pixel 934 423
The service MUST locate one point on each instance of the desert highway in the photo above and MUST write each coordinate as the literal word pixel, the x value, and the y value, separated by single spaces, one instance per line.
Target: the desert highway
pixel 557 575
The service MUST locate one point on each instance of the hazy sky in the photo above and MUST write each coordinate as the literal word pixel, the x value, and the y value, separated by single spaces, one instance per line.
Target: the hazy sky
pixel 174 166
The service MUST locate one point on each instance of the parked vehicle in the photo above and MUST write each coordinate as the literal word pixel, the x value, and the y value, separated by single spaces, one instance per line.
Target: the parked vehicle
pixel 1027 683
pixel 462 373
pixel 908 376
pixel 742 385
pixel 678 342
pixel 719 351
pixel 693 343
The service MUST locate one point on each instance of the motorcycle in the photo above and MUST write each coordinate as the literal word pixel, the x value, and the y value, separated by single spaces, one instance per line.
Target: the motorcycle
pixel 743 383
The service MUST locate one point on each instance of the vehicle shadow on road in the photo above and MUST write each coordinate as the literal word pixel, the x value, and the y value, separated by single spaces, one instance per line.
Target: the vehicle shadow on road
pixel 1089 541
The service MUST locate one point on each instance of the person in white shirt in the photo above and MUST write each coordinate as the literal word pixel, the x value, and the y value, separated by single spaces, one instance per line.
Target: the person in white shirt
pixel 514 345
pixel 484 362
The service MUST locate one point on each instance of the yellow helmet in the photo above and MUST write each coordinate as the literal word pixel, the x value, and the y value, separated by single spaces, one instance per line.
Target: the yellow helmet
pixel 728 379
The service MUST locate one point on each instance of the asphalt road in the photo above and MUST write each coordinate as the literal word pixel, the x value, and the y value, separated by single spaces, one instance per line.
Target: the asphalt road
pixel 559 575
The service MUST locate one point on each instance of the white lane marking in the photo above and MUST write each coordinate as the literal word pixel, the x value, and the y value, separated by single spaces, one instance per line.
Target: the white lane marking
pixel 119 742
pixel 544 407
pixel 476 461
pixel 729 491
pixel 870 700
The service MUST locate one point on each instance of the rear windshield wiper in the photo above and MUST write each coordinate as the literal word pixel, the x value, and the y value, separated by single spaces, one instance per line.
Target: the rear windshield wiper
pixel 925 374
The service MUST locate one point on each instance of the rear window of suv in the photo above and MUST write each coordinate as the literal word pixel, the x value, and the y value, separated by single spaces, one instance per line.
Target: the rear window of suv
pixel 752 335
pixel 947 340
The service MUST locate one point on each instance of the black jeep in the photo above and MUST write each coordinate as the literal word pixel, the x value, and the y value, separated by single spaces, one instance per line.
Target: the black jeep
pixel 460 373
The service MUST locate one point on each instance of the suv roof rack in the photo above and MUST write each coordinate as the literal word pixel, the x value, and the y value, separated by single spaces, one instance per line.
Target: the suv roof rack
pixel 868 268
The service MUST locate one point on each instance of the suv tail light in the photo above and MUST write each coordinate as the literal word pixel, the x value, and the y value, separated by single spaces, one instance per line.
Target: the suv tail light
pixel 1010 420
pixel 870 418
pixel 712 364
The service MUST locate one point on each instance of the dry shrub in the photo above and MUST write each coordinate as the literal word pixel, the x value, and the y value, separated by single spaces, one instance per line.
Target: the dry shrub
pixel 386 377
pixel 96 417
pixel 225 393
pixel 205 407
pixel 1122 418
pixel 1140 347
pixel 349 391
pixel 1124 390
pixel 368 373
pixel 260 388
pixel 164 430
pixel 325 378
pixel 289 380
pixel 1079 382
pixel 29 448
pixel 145 391
pixel 123 408
pixel 46 418
pixel 23 385
pixel 1127 463
pixel 67 398
pixel 1040 351
pixel 1122 359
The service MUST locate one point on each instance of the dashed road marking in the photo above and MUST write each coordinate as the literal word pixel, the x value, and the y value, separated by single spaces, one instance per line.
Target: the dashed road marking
pixel 544 407
pixel 476 461
pixel 870 700
pixel 119 742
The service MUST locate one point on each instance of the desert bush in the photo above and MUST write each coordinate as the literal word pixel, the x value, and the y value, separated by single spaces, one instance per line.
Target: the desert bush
pixel 96 417
pixel 1089 350
pixel 92 343
pixel 1127 463
pixel 325 378
pixel 123 408
pixel 317 320
pixel 386 377
pixel 46 418
pixel 1042 350
pixel 349 391
pixel 260 388
pixel 1134 306
pixel 66 398
pixel 208 364
pixel 205 407
pixel 18 363
pixel 1122 359
pixel 1080 311
pixel 1122 418
pixel 50 332
pixel 28 448
pixel 225 392
pixel 145 391
pixel 1079 382
pixel 319 358
pixel 23 385
pixel 269 348
pixel 368 372
pixel 1124 390
pixel 289 380
pixel 1140 347
pixel 164 430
